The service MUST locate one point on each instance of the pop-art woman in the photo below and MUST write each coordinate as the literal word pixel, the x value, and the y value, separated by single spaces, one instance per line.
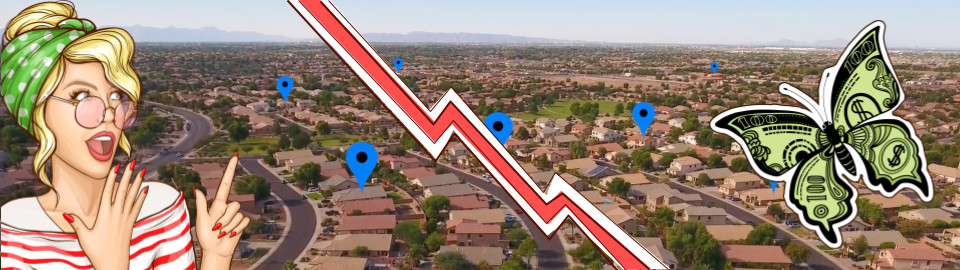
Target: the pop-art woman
pixel 71 87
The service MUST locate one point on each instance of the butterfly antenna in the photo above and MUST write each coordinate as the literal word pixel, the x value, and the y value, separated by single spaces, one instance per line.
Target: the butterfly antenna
pixel 796 94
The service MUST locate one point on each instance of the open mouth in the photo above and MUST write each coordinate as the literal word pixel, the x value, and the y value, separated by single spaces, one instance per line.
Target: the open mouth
pixel 101 145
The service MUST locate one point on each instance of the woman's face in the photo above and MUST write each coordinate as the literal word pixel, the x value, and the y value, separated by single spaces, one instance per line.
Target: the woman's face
pixel 88 150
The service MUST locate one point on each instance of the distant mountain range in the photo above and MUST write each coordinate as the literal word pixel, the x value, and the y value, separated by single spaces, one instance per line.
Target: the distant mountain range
pixel 212 34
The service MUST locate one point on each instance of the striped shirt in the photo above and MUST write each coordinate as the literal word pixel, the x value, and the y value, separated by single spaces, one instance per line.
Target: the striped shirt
pixel 161 236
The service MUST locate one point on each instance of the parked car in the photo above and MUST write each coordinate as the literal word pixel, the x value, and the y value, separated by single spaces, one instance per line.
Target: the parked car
pixel 510 218
pixel 792 223
pixel 332 213
pixel 179 154
pixel 328 229
pixel 312 189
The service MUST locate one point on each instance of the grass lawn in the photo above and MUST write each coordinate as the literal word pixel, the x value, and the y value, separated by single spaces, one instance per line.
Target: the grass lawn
pixel 314 196
pixel 561 109
pixel 250 146
pixel 802 232
pixel 338 140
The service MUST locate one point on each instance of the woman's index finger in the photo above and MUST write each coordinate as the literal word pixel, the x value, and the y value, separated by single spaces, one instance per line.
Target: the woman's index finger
pixel 227 181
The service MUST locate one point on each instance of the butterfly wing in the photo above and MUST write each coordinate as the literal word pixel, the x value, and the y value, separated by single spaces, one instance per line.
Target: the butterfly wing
pixel 892 157
pixel 822 200
pixel 777 138
pixel 862 85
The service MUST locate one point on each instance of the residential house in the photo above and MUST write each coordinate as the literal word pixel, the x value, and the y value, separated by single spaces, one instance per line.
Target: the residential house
pixel 417 172
pixel 594 197
pixel 762 196
pixel 676 122
pixel 739 182
pixel 856 224
pixel 482 216
pixel 563 140
pixel 378 245
pixel 295 158
pixel 741 255
pixel 683 165
pixel 705 215
pixel 494 256
pixel 655 246
pixel 729 233
pixel 689 138
pixel 943 174
pixel 514 144
pixel 891 206
pixel 597 171
pixel 436 180
pixel 400 163
pixel 455 150
pixel 470 233
pixel 637 141
pixel 575 182
pixel 874 239
pixel 928 215
pixel 338 183
pixel 909 256
pixel 716 175
pixel 468 202
pixel 355 194
pixel 337 262
pixel 581 129
pixel 370 207
pixel 604 134
pixel 580 163
pixel 624 219
pixel 367 224
pixel 632 179
pixel 449 191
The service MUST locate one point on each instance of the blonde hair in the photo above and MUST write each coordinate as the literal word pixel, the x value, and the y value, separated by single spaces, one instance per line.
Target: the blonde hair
pixel 112 47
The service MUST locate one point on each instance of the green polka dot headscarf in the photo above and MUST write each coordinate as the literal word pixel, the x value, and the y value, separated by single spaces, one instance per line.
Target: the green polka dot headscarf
pixel 27 60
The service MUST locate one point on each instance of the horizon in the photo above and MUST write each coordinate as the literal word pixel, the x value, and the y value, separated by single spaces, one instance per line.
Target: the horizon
pixel 914 26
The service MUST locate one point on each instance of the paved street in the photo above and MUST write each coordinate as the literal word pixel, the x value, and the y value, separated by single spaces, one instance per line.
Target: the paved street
pixel 303 220
pixel 199 127
pixel 551 255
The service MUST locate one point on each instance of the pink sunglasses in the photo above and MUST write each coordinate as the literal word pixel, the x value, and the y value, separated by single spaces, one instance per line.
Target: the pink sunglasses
pixel 90 112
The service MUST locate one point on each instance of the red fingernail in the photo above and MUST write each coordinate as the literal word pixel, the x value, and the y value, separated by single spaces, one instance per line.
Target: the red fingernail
pixel 221 235
pixel 68 217
pixel 232 234
pixel 146 189
pixel 132 164
pixel 236 154
pixel 117 170
pixel 142 171
pixel 194 188
pixel 215 227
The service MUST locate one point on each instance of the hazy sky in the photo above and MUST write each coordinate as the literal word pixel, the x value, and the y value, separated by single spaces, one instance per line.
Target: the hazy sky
pixel 909 23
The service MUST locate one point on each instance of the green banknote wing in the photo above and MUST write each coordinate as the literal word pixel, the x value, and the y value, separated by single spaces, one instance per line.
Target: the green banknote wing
pixel 823 199
pixel 775 138
pixel 864 85
pixel 892 155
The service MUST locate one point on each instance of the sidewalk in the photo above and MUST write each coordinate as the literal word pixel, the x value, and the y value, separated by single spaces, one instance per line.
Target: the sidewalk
pixel 286 225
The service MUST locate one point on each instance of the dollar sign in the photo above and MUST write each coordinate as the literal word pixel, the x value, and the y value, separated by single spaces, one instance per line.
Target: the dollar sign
pixel 895 160
pixel 858 109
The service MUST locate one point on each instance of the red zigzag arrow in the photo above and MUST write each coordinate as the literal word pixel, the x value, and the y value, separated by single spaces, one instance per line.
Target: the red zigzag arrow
pixel 433 128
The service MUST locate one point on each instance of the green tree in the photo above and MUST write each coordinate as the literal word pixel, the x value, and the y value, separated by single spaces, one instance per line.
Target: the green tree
pixel 586 253
pixel 514 263
pixel 283 142
pixel 289 265
pixel 415 254
pixel 409 232
pixel 522 134
pixel 323 128
pixel 484 265
pixel 434 204
pixel 618 187
pixel 797 252
pixel 618 110
pixel 693 245
pixel 776 211
pixel 578 150
pixel 763 234
pixel 450 260
pixel 869 212
pixel 716 161
pixel 238 131
pixel 307 175
pixel 911 228
pixel 300 140
pixel 360 251
pixel 269 159
pixel 887 245
pixel 661 220
pixel 859 245
pixel 739 165
pixel 527 249
pixel 704 180
pixel 517 235
pixel 434 241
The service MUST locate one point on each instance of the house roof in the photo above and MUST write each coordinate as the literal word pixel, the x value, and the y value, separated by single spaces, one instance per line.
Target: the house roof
pixel 741 177
pixel 916 251
pixel 334 172
pixel 569 178
pixel 565 138
pixel 729 232
pixel 542 177
pixel 469 202
pixel 209 170
pixel 705 211
pixel 471 226
pixel 632 178
pixel 717 173
pixel 485 216
pixel 373 242
pixel 369 206
pixel 875 238
pixel 610 147
pixel 686 161
pixel 492 255
pixel 576 164
pixel 898 200
pixel 928 214
pixel 755 254
pixel 418 172
pixel 452 190
pixel 336 262
pixel 593 196
pixel 371 192
pixel 615 213
pixel 368 222
pixel 438 180
pixel 285 155
pixel 937 169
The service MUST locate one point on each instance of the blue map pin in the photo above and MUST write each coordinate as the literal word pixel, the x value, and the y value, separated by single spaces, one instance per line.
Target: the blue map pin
pixel 398 63
pixel 361 159
pixel 714 66
pixel 284 85
pixel 643 114
pixel 773 186
pixel 500 125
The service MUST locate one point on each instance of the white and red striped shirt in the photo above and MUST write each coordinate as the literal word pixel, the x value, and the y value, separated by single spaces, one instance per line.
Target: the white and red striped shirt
pixel 161 236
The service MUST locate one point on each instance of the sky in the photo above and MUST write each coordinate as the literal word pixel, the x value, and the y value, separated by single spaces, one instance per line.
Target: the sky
pixel 913 24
